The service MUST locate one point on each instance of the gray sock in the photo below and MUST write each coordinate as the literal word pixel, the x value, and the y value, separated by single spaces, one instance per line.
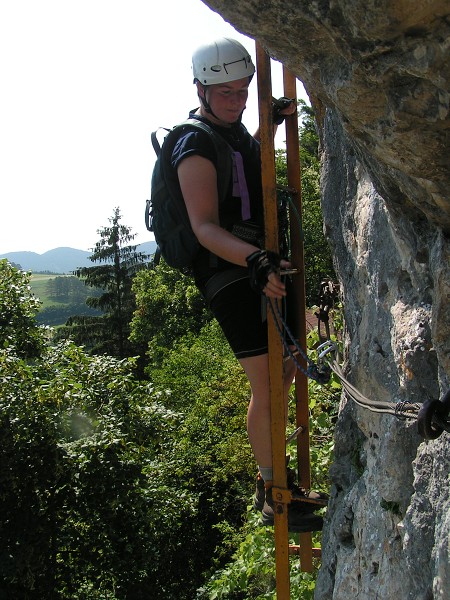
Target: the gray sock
pixel 266 473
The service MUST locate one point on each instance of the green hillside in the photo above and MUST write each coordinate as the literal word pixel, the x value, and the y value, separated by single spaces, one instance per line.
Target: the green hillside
pixel 62 296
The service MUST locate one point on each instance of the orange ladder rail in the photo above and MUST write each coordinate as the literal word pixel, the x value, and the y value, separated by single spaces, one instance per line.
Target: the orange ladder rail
pixel 281 494
pixel 298 260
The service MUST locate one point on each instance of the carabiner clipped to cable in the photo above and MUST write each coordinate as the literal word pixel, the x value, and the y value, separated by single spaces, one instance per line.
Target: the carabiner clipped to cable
pixel 320 371
pixel 325 349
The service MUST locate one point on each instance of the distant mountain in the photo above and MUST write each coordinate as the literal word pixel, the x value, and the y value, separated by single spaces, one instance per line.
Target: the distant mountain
pixel 61 260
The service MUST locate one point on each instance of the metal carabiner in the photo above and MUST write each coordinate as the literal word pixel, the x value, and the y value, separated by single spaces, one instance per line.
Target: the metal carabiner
pixel 325 348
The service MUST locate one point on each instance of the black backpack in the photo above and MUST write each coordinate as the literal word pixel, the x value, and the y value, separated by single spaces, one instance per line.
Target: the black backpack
pixel 165 214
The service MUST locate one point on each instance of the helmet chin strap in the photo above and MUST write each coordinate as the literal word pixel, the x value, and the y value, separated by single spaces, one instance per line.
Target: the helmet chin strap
pixel 206 104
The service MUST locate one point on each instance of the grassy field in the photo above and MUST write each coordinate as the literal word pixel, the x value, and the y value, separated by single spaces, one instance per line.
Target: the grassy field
pixel 60 302
pixel 39 283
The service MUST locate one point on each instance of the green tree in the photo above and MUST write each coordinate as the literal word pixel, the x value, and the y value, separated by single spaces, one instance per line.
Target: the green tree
pixel 107 488
pixel 213 461
pixel 69 289
pixel 83 512
pixel 65 297
pixel 111 488
pixel 18 309
pixel 118 262
pixel 168 306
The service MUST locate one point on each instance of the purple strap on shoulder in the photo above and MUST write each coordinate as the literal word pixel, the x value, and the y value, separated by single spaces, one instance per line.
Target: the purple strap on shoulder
pixel 240 189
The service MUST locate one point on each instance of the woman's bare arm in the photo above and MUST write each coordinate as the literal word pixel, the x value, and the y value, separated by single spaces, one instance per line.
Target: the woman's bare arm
pixel 198 182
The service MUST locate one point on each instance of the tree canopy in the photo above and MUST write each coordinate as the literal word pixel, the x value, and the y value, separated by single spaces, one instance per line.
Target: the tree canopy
pixel 18 312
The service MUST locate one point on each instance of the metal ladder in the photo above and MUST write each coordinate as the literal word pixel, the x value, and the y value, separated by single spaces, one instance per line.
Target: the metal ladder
pixel 281 495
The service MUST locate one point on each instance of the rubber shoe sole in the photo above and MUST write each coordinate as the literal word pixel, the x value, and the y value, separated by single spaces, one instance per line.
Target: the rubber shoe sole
pixel 309 500
pixel 297 522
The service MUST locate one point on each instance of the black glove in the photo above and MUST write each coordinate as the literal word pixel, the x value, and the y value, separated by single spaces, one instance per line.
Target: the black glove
pixel 260 264
pixel 277 106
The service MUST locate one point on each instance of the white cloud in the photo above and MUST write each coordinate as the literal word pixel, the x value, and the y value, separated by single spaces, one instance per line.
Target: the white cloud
pixel 83 85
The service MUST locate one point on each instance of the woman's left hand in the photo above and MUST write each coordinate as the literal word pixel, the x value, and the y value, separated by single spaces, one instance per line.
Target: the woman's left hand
pixel 281 108
pixel 275 288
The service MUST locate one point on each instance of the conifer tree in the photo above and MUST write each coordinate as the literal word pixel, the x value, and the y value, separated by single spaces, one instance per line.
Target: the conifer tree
pixel 118 262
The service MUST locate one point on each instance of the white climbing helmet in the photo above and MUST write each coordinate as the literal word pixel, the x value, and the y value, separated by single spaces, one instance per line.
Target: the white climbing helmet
pixel 221 61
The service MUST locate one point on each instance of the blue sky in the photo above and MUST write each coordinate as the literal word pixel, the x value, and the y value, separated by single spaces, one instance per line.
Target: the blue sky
pixel 84 83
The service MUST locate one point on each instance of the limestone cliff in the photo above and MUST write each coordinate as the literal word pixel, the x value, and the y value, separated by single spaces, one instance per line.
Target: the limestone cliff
pixel 377 73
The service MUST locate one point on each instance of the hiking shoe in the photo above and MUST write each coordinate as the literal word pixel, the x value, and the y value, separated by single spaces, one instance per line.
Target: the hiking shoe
pixel 299 521
pixel 260 492
pixel 315 500
pixel 310 500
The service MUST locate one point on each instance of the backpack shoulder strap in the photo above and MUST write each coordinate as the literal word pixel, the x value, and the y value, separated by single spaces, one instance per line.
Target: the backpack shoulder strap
pixel 192 124
pixel 223 150
pixel 155 142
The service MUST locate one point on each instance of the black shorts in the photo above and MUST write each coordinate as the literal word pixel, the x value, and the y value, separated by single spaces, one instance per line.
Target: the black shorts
pixel 242 316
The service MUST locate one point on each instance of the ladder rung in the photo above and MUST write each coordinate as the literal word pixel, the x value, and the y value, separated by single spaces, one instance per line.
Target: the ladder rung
pixel 319 502
pixel 294 549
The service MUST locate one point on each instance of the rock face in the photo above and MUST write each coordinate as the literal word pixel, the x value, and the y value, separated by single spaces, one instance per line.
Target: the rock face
pixel 377 73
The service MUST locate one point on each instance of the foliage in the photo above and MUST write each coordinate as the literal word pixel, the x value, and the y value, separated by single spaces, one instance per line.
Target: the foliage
pixel 323 407
pixel 18 308
pixel 80 501
pixel 54 316
pixel 119 263
pixel 318 258
pixel 309 139
pixel 250 575
pixel 105 491
pixel 169 306
pixel 66 289
pixel 82 446
pixel 208 385
pixel 110 488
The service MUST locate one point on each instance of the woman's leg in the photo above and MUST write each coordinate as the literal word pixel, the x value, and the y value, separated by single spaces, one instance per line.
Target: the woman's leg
pixel 258 415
